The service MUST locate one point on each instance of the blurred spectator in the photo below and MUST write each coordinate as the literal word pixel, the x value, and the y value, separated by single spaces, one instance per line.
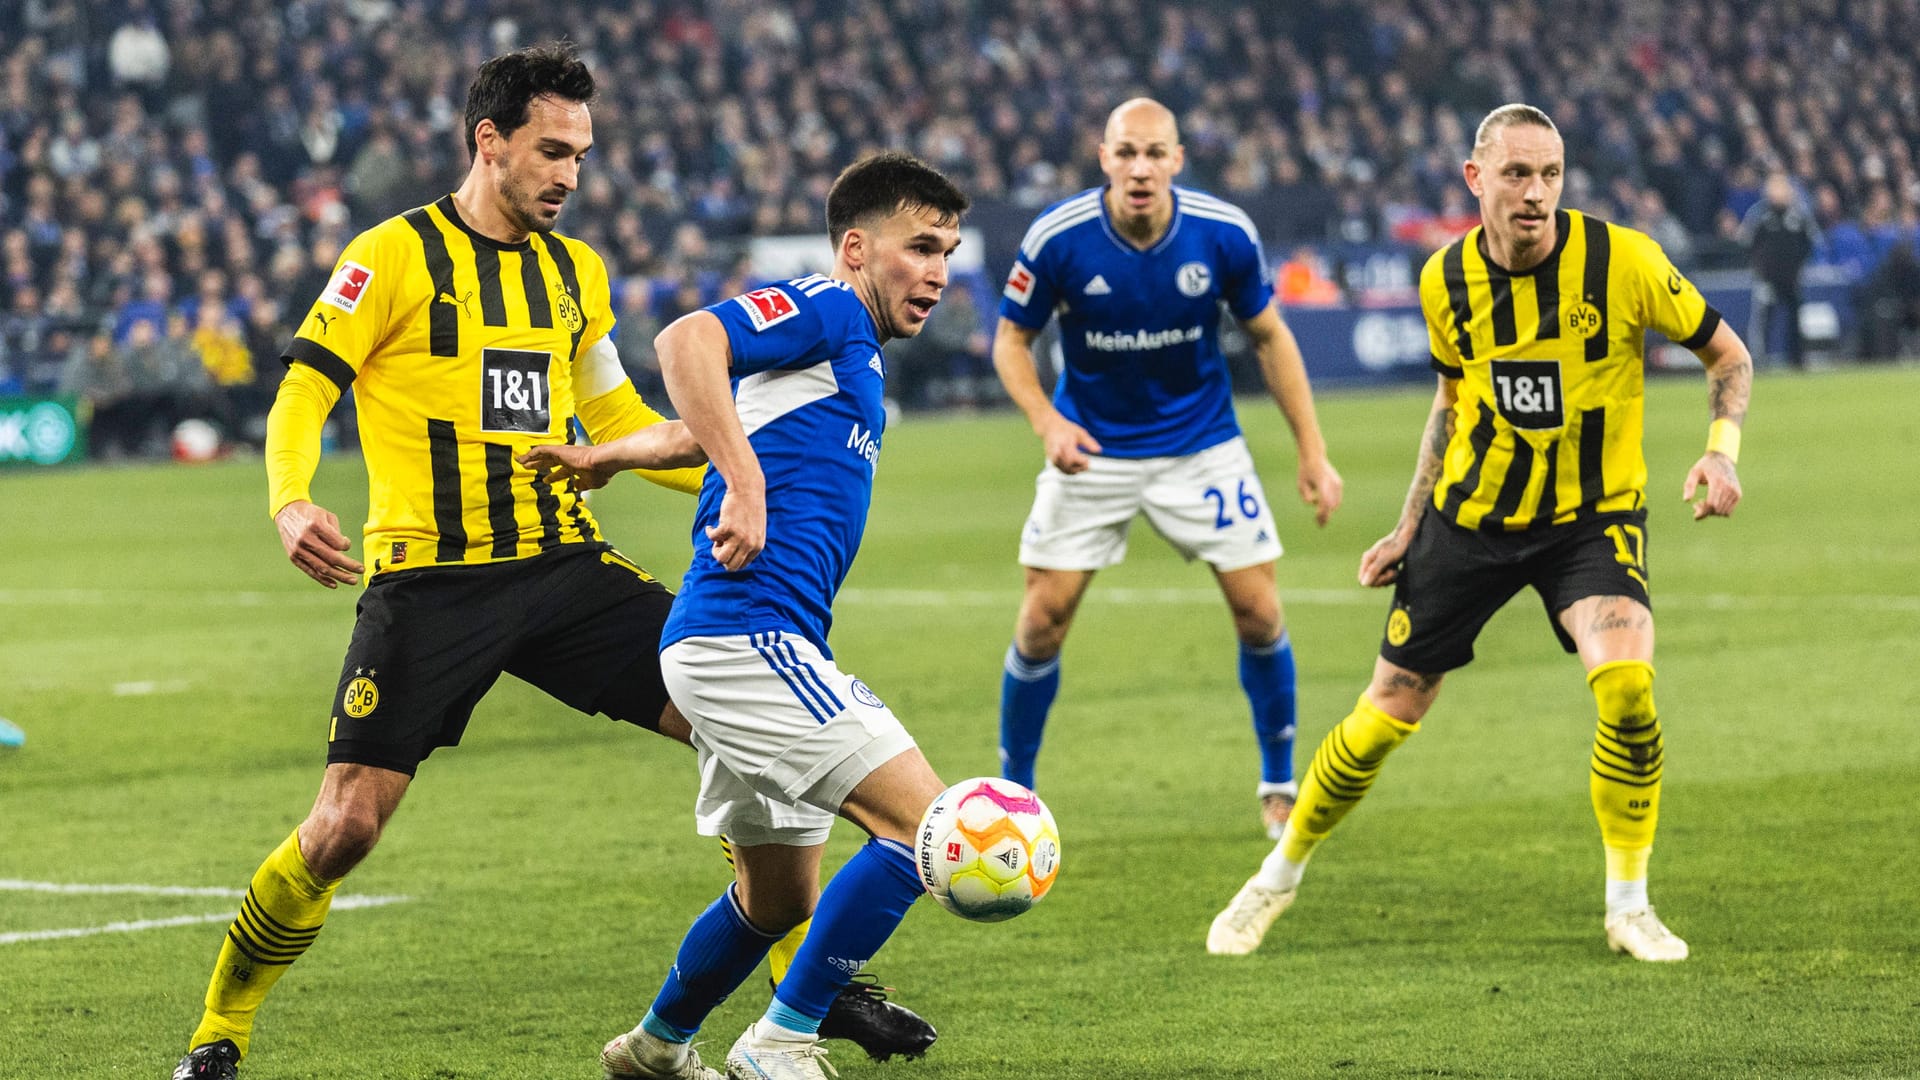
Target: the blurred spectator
pixel 137 53
pixel 1302 281
pixel 1780 235
pixel 1890 303
pixel 254 137
pixel 378 181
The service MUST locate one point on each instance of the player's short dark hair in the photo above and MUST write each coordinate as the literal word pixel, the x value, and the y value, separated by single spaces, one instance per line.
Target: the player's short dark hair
pixel 507 84
pixel 885 184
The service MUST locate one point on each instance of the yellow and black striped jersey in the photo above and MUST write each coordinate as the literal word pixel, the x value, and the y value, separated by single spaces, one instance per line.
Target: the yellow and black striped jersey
pixel 1551 363
pixel 462 352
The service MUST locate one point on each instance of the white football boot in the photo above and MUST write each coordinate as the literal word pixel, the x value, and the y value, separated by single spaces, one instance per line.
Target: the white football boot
pixel 1237 930
pixel 765 1052
pixel 637 1055
pixel 1640 934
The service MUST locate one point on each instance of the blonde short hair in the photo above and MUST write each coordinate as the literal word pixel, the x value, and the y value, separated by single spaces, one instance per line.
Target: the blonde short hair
pixel 1507 116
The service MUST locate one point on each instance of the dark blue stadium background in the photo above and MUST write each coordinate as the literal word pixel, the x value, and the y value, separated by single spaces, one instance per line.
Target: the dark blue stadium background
pixel 177 176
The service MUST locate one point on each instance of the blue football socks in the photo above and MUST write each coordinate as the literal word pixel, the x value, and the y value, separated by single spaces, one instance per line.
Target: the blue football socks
pixel 858 911
pixel 720 950
pixel 1266 673
pixel 1026 694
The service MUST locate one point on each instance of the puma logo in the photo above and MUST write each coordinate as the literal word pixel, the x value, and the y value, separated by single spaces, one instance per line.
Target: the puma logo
pixel 323 319
pixel 461 303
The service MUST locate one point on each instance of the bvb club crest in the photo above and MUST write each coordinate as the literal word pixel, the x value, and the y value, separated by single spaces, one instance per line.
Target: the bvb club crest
pixel 361 697
pixel 570 316
pixel 1399 627
pixel 1583 320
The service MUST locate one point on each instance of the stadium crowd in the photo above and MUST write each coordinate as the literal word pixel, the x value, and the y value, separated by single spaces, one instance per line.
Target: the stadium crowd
pixel 177 176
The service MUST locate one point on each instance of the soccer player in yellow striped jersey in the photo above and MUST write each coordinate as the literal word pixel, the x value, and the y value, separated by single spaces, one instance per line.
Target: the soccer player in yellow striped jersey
pixel 469 331
pixel 1530 473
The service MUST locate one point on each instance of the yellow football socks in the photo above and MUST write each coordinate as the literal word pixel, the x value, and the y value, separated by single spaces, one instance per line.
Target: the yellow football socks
pixel 283 911
pixel 1626 766
pixel 1343 769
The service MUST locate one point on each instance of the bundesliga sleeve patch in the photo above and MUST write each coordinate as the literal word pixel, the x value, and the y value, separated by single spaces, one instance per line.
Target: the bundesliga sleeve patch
pixel 766 307
pixel 1020 285
pixel 347 286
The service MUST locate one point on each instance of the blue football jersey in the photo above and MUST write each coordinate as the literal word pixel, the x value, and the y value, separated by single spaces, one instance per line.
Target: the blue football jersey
pixel 1141 329
pixel 807 381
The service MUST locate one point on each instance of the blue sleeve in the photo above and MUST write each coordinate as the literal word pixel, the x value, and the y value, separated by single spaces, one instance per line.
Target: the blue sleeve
pixel 1028 297
pixel 1246 279
pixel 774 327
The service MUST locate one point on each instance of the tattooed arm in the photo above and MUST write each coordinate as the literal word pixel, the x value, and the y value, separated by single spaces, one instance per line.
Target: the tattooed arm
pixel 1729 384
pixel 1381 564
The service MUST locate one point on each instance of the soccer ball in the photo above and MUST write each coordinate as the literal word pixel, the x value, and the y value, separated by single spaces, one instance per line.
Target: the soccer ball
pixel 195 441
pixel 988 849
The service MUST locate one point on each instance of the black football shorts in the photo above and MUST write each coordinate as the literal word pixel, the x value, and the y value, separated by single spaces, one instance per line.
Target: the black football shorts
pixel 581 623
pixel 1454 579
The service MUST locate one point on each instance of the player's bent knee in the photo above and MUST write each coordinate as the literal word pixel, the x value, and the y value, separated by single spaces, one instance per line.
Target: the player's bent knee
pixel 334 839
pixel 1402 694
pixel 890 802
pixel 1258 629
pixel 1623 690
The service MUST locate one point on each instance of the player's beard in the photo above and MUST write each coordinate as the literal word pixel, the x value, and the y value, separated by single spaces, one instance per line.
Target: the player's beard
pixel 524 207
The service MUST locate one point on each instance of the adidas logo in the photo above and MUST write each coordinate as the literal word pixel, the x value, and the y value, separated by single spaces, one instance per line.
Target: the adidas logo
pixel 1097 287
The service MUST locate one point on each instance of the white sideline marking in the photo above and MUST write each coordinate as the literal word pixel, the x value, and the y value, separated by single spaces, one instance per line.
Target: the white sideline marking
pixel 16 885
pixel 340 903
pixel 1354 597
pixel 143 687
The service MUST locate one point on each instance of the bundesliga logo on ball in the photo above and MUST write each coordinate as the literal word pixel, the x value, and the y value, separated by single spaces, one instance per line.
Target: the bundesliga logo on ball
pixel 988 849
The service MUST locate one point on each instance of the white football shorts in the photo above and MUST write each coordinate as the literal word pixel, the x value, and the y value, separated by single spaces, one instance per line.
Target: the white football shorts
pixel 1209 506
pixel 783 735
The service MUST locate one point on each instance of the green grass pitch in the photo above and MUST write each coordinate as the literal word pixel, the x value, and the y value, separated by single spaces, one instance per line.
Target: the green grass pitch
pixel 172 674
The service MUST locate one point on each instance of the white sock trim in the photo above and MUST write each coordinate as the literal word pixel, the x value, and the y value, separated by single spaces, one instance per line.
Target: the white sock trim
pixel 1624 896
pixel 1284 641
pixel 1279 872
pixel 1027 670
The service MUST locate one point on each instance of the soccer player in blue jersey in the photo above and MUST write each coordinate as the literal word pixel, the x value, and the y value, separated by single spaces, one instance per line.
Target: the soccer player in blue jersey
pixel 780 389
pixel 1142 421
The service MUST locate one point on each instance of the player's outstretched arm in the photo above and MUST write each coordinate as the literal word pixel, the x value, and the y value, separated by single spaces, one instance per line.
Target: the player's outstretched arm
pixel 1285 372
pixel 695 358
pixel 1067 443
pixel 1381 564
pixel 665 445
pixel 1729 385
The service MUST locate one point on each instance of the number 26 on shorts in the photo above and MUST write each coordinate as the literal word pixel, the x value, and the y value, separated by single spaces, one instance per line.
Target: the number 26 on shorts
pixel 1245 501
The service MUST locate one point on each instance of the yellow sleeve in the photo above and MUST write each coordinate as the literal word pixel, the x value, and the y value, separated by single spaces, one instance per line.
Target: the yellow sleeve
pixel 596 295
pixel 1443 348
pixel 1669 302
pixel 351 316
pixel 610 408
pixel 300 407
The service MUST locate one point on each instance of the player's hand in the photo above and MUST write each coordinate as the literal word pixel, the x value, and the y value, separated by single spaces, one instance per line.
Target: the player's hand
pixel 1723 486
pixel 1320 488
pixel 1068 445
pixel 558 463
pixel 316 545
pixel 1381 564
pixel 741 531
